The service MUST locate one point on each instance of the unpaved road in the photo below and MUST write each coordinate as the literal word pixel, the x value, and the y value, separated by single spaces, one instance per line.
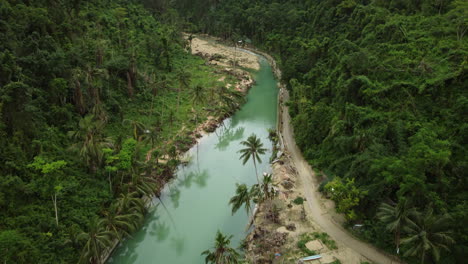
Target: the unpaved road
pixel 320 215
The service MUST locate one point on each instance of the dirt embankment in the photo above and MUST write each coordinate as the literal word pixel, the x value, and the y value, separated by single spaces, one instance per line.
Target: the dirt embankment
pixel 220 54
pixel 216 55
pixel 305 223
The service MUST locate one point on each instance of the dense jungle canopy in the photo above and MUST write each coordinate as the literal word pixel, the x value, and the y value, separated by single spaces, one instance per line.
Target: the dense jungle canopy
pixel 379 101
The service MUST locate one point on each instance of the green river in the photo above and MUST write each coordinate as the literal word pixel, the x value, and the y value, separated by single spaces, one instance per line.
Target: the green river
pixel 196 202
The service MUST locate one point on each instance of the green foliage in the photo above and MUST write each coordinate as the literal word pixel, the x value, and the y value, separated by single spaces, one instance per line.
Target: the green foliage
pixel 222 252
pixel 253 149
pixel 346 196
pixel 298 200
pixel 325 238
pixel 71 72
pixel 377 94
pixel 301 244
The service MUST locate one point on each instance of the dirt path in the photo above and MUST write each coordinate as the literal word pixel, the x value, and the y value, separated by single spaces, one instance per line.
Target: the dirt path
pixel 320 215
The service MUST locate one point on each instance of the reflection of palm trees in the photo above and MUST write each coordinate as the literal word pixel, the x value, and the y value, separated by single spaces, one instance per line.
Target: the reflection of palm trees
pixel 229 135
pixel 178 243
pixel 197 177
pixel 158 196
pixel 175 196
pixel 200 178
pixel 160 230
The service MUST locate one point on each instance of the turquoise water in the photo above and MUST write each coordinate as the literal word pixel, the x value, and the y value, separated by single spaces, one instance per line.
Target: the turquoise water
pixel 196 202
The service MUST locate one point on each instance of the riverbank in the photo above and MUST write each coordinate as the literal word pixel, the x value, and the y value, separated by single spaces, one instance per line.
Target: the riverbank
pixel 234 79
pixel 306 222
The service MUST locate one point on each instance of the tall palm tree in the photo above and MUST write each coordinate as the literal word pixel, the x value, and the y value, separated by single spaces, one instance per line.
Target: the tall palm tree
pixel 184 82
pixel 242 197
pixel 130 202
pixel 98 239
pixel 427 233
pixel 254 147
pixel 90 141
pixel 222 253
pixel 395 216
pixel 198 98
pixel 121 223
pixel 137 127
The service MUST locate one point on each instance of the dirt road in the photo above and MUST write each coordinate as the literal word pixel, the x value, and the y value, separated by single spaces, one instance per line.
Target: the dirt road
pixel 320 214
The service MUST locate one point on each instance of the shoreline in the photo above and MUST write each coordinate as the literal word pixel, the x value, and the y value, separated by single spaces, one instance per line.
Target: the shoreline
pixel 243 84
pixel 297 179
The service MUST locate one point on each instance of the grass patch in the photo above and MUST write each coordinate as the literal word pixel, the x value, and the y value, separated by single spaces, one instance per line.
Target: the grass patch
pixel 326 240
pixel 301 244
pixel 299 200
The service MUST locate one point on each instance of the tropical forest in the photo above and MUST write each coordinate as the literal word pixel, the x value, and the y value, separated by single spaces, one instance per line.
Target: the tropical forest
pixel 233 131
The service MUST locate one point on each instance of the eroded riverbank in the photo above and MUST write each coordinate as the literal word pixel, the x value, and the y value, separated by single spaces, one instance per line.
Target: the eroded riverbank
pixel 195 205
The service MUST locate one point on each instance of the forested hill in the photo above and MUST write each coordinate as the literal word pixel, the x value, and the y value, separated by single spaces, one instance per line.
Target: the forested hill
pixel 379 105
pixel 87 88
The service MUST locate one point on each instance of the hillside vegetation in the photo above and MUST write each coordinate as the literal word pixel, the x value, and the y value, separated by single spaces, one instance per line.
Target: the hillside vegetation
pixel 97 100
pixel 379 102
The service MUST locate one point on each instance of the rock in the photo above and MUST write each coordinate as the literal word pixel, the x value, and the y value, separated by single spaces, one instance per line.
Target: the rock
pixel 287 184
pixel 282 229
pixel 314 245
pixel 291 227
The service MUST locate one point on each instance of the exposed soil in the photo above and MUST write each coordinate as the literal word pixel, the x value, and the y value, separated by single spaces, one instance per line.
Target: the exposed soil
pixel 220 54
pixel 317 214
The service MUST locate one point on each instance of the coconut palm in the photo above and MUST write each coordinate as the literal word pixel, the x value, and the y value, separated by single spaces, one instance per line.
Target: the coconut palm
pixel 267 186
pixel 254 147
pixel 222 253
pixel 427 233
pixel 138 127
pixel 184 82
pixel 198 97
pixel 90 141
pixel 98 239
pixel 121 223
pixel 395 216
pixel 130 202
pixel 242 197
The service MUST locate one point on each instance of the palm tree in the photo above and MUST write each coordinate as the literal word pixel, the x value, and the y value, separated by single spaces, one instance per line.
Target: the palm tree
pixel 267 186
pixel 121 223
pixel 90 141
pixel 427 233
pixel 98 239
pixel 395 216
pixel 138 127
pixel 198 98
pixel 150 135
pixel 184 82
pixel 222 253
pixel 242 197
pixel 130 202
pixel 254 147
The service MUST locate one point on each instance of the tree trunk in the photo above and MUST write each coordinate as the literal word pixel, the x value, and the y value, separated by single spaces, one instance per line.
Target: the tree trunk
pixel 54 200
pixel 79 98
pixel 129 85
pixel 110 183
pixel 256 173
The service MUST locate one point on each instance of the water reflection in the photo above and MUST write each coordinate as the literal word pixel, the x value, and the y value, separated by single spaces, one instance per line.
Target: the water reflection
pixel 178 243
pixel 229 135
pixel 160 230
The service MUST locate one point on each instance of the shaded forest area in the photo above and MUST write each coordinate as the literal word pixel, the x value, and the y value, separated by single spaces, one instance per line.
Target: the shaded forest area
pixel 379 106
pixel 97 101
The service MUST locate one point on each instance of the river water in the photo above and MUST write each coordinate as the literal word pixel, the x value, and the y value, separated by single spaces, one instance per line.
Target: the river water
pixel 196 202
